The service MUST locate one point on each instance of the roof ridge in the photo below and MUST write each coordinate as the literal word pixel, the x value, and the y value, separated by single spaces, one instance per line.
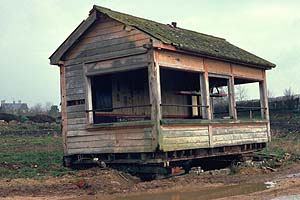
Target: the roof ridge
pixel 204 34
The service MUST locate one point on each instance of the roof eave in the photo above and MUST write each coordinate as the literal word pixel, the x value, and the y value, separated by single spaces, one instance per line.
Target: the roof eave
pixel 173 47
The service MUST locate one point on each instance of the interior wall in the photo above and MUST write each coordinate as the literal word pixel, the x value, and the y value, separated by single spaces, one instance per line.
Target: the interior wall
pixel 173 81
pixel 127 89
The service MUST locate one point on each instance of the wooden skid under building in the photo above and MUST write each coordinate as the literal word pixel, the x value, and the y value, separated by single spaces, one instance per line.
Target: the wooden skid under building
pixel 131 94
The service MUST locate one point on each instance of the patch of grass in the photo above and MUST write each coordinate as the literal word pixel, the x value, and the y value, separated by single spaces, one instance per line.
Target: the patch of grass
pixel 271 153
pixel 31 157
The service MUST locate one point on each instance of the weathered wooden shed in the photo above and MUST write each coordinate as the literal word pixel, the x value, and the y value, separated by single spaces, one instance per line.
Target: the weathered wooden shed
pixel 135 91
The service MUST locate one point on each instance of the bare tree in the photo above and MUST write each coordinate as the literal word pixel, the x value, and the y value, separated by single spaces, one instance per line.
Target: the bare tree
pixel 241 93
pixel 288 92
pixel 288 98
pixel 37 109
pixel 47 106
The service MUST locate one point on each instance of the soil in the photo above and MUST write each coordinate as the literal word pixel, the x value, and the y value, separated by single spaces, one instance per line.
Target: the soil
pixel 110 184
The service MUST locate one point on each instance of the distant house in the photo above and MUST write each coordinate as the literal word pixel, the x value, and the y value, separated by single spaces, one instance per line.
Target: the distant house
pixel 14 107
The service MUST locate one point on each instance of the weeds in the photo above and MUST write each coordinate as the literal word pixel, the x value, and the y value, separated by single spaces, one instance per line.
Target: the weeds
pixel 31 157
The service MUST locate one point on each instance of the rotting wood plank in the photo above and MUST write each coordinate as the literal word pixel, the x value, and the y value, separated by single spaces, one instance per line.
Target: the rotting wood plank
pixel 74 83
pixel 74 115
pixel 134 149
pixel 180 61
pixel 110 143
pixel 115 41
pixel 113 28
pixel 73 67
pixel 75 91
pixel 76 127
pixel 182 133
pixel 120 130
pixel 113 48
pixel 231 143
pixel 185 140
pixel 76 108
pixel 108 36
pixel 107 56
pixel 75 97
pixel 177 147
pixel 236 136
pixel 77 121
pixel 74 73
pixel 110 136
pixel 120 64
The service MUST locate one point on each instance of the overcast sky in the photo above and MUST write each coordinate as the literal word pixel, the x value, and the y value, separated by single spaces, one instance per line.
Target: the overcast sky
pixel 31 30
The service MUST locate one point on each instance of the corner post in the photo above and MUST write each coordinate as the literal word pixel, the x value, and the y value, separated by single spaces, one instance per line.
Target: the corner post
pixel 264 102
pixel 63 106
pixel 154 94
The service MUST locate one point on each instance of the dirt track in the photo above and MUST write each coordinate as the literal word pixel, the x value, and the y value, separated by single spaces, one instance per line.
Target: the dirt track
pixel 109 184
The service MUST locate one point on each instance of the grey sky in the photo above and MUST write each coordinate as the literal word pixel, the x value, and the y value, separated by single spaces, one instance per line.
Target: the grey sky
pixel 31 30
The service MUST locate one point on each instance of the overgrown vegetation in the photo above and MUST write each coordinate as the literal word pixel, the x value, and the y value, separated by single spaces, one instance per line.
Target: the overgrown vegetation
pixel 284 148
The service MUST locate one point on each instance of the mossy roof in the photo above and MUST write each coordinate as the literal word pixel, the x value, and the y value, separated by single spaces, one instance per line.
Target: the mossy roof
pixel 188 40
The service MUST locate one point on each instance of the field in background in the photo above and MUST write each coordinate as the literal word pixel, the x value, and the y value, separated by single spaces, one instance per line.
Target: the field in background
pixel 34 150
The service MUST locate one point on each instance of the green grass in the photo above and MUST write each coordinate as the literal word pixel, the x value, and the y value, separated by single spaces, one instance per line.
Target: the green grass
pixel 31 156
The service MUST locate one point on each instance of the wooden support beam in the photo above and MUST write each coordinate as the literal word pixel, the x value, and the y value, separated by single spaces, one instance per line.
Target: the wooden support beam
pixel 231 98
pixel 63 107
pixel 264 102
pixel 89 100
pixel 154 94
pixel 205 98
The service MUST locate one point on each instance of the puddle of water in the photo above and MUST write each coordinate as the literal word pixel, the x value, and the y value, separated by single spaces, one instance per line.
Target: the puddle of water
pixel 270 184
pixel 201 194
pixel 289 197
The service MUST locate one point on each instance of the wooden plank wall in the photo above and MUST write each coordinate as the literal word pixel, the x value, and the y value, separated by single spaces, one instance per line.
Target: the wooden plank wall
pixel 107 39
pixel 107 46
pixel 75 90
pixel 122 140
pixel 184 137
pixel 131 89
pixel 173 81
pixel 237 134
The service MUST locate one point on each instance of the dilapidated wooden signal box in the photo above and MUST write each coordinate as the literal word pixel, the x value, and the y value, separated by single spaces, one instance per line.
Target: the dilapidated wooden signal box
pixel 137 91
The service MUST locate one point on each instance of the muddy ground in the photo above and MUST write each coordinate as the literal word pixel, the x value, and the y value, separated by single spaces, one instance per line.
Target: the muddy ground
pixel 110 184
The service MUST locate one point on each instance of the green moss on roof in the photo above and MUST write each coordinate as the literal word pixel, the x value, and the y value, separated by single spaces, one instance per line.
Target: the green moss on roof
pixel 188 40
